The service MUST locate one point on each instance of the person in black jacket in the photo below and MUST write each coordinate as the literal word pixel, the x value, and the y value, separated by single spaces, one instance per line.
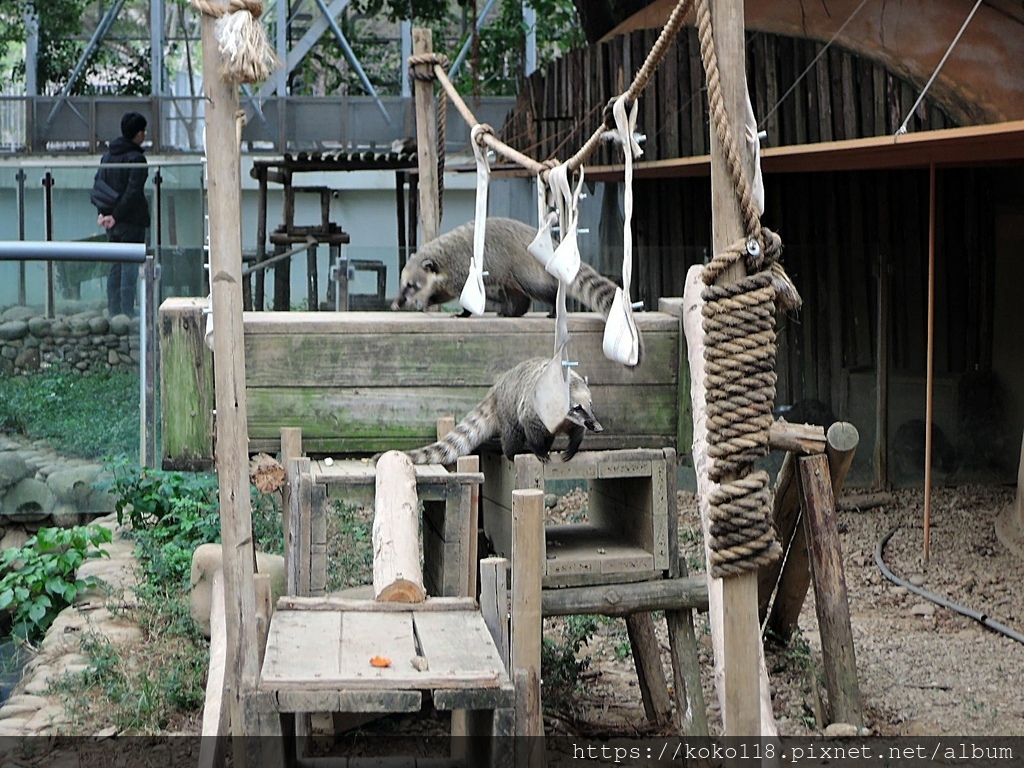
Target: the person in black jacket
pixel 128 220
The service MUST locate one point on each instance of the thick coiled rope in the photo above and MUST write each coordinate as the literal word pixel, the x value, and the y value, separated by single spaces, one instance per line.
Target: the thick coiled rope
pixel 739 328
pixel 246 53
pixel 421 67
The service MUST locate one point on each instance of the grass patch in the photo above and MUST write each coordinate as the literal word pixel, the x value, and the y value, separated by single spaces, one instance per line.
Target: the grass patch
pixel 158 685
pixel 349 542
pixel 90 416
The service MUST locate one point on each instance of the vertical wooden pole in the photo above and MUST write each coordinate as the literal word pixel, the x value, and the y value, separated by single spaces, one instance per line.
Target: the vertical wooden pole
pixel 224 184
pixel 426 138
pixel 930 366
pixel 291 448
pixel 882 376
pixel 527 626
pixel 742 637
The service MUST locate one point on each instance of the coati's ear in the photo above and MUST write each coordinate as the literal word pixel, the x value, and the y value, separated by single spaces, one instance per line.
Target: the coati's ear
pixel 430 266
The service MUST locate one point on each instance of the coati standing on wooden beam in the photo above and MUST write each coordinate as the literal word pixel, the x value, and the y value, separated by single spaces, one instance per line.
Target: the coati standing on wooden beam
pixel 509 413
pixel 437 272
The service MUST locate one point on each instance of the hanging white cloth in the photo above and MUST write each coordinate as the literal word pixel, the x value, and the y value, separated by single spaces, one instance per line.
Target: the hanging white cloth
pixel 621 339
pixel 551 395
pixel 564 261
pixel 753 155
pixel 474 297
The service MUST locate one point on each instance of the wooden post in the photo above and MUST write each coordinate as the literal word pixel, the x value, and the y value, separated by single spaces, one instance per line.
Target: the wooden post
pixel 494 602
pixel 740 631
pixel 841 445
pixel 527 626
pixel 882 376
pixel 650 673
pixel 426 137
pixel 215 711
pixel 224 174
pixel 291 449
pixel 830 597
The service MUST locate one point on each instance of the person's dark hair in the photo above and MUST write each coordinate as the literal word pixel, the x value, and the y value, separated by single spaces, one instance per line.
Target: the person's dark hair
pixel 131 124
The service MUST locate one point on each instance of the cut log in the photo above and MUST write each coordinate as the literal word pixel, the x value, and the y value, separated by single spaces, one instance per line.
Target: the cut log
pixel 799 438
pixel 266 473
pixel 397 575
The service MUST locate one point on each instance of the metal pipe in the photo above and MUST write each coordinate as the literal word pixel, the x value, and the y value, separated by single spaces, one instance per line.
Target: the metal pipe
pixel 21 176
pixel 351 56
pixel 34 250
pixel 48 182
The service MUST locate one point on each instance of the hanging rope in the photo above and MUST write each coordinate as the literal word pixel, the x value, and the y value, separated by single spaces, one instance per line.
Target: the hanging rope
pixel 739 326
pixel 246 54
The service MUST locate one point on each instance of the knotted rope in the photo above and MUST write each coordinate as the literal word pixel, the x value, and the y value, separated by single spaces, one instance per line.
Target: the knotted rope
pixel 246 54
pixel 739 327
pixel 421 67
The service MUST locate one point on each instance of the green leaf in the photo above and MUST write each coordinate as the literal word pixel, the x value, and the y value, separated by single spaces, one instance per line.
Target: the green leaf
pixel 6 598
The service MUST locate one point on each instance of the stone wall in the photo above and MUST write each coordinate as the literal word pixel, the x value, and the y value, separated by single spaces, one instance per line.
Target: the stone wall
pixel 83 340
pixel 40 488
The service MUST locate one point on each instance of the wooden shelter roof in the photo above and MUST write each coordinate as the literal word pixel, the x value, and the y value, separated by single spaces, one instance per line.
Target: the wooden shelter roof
pixel 973 145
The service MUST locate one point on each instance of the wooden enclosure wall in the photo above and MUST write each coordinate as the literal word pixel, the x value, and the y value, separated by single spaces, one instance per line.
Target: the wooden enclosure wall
pixel 842 96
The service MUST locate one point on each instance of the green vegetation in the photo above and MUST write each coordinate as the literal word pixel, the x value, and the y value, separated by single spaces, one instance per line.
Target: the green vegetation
pixel 159 685
pixel 89 416
pixel 561 665
pixel 40 579
pixel 349 542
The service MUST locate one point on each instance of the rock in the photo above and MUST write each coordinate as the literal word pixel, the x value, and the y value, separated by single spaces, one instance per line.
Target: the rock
pixel 47 717
pixel 15 538
pixel 207 560
pixel 25 700
pixel 99 325
pixel 112 357
pixel 120 324
pixel 19 313
pixel 39 327
pixel 27 360
pixel 550 500
pixel 9 353
pixel 13 469
pixel 60 329
pixel 846 731
pixel 13 727
pixel 917 580
pixel 28 501
pixel 13 329
pixel 899 591
pixel 925 610
pixel 65 516
pixel 73 485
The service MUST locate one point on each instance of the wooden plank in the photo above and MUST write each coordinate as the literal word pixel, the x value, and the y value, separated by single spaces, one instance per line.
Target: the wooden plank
pixel 457 644
pixel 377 415
pixel 830 595
pixel 824 95
pixel 186 386
pixel 318 540
pixel 291 449
pixel 216 722
pixel 348 604
pixel 474 699
pixel 375 634
pixel 494 603
pixel 463 358
pixel 302 645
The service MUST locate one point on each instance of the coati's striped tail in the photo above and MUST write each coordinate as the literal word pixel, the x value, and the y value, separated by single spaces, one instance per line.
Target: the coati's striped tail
pixel 479 425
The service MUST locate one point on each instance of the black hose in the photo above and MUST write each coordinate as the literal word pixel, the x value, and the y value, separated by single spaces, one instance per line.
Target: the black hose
pixel 932 597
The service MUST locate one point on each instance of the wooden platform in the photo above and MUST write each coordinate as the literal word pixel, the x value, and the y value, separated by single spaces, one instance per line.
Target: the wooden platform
pixel 363 382
pixel 317 651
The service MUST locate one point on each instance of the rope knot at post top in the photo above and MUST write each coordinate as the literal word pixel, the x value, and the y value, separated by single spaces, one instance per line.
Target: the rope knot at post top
pixel 421 65
pixel 246 53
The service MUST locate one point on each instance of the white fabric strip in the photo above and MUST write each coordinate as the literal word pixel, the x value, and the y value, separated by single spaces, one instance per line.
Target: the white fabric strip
pixel 474 297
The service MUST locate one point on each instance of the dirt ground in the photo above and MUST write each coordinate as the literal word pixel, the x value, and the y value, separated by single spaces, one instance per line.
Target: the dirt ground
pixel 923 669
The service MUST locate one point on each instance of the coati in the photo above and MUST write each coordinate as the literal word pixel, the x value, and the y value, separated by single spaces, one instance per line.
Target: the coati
pixel 438 271
pixel 508 412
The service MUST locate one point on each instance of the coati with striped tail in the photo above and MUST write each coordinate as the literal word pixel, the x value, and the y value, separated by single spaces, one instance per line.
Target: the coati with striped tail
pixel 509 413
pixel 438 271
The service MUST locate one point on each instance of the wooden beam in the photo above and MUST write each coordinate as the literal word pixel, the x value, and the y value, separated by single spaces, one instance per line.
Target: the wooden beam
pixel 224 175
pixel 688 592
